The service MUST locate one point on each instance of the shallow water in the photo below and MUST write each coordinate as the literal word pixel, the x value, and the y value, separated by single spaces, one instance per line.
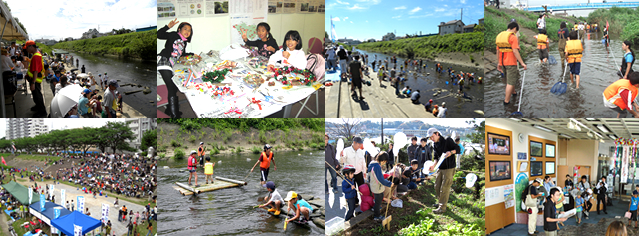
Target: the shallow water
pixel 598 70
pixel 127 71
pixel 229 211
pixel 428 84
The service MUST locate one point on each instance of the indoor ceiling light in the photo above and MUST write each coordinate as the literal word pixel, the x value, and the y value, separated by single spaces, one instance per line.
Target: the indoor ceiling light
pixel 601 140
pixel 566 136
pixel 590 134
pixel 602 128
pixel 542 128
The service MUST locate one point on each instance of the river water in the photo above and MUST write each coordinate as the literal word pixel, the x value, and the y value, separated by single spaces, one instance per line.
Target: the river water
pixel 127 71
pixel 428 84
pixel 598 70
pixel 229 211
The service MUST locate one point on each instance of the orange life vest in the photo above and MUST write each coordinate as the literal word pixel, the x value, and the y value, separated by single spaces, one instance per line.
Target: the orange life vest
pixel 541 41
pixel 502 41
pixel 612 93
pixel 266 160
pixel 200 151
pixel 574 50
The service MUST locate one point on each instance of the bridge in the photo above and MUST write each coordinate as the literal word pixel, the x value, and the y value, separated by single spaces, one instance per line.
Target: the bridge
pixel 586 6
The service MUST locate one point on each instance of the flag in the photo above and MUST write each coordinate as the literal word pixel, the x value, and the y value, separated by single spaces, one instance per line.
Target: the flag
pixel 80 204
pixel 77 230
pixel 42 202
pixel 333 34
pixel 4 162
pixel 105 212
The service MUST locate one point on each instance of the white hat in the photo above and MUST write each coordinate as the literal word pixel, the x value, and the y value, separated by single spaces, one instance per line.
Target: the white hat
pixel 431 131
pixel 201 143
pixel 193 152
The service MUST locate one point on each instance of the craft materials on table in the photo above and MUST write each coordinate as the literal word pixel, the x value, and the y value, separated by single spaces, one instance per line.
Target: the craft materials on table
pixel 190 60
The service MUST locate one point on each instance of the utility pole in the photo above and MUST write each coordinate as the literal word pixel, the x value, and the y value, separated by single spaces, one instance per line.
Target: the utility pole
pixel 382 131
pixel 462 15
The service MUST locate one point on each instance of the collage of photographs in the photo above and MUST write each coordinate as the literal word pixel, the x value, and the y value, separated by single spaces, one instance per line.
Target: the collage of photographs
pixel 412 102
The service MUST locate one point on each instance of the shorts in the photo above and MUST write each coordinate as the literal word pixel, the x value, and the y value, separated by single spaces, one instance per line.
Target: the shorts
pixel 633 217
pixel 264 174
pixel 622 113
pixel 357 82
pixel 192 170
pixel 511 73
pixel 543 53
pixel 575 68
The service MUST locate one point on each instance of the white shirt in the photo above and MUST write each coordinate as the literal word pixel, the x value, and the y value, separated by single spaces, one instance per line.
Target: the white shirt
pixel 12 51
pixel 7 64
pixel 542 23
pixel 581 27
pixel 441 112
pixel 355 158
pixel 275 196
pixel 296 59
pixel 331 53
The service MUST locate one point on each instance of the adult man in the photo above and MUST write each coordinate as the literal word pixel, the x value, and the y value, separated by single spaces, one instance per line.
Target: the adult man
pixel 83 69
pixel 563 36
pixel 530 196
pixel 35 75
pixel 331 164
pixel 422 153
pixel 356 72
pixel 602 188
pixel 414 98
pixel 343 60
pixel 550 213
pixel 508 55
pixel 330 57
pixel 192 167
pixel 77 63
pixel 110 101
pixel 201 153
pixel 354 155
pixel 444 148
pixel 411 149
pixel 13 49
pixel 541 22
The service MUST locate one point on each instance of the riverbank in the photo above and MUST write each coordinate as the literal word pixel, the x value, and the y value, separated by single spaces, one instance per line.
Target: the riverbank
pixel 140 45
pixel 624 22
pixel 181 136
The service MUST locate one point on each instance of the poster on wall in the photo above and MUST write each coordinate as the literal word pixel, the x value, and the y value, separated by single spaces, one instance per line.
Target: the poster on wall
pixel 275 6
pixel 314 6
pixel 492 194
pixel 290 6
pixel 509 197
pixel 321 8
pixel 217 8
pixel 521 182
pixel 190 8
pixel 166 9
pixel 244 17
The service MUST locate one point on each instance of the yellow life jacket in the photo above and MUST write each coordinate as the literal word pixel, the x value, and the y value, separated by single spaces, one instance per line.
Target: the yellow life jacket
pixel 541 41
pixel 37 79
pixel 574 49
pixel 502 41
pixel 208 168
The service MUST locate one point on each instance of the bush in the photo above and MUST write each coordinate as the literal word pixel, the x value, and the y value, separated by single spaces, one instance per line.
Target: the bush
pixel 144 154
pixel 192 138
pixel 162 155
pixel 175 143
pixel 214 151
pixel 137 44
pixel 238 150
pixel 256 150
pixel 178 154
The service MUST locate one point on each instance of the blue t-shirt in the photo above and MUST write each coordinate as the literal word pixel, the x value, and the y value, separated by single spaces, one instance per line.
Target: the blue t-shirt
pixel 82 106
pixel 628 57
pixel 579 201
pixel 634 201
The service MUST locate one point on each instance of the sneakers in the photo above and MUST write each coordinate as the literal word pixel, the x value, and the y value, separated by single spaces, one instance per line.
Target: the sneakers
pixel 272 210
pixel 379 218
pixel 277 213
pixel 436 205
pixel 440 210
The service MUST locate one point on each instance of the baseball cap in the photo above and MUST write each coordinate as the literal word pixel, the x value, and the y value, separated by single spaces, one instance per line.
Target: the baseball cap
pixel 414 161
pixel 290 196
pixel 431 131
pixel 86 91
pixel 114 83
pixel 193 152
pixel 538 180
pixel 29 43
pixel 358 140
pixel 635 192
pixel 269 184
pixel 430 100
pixel 201 143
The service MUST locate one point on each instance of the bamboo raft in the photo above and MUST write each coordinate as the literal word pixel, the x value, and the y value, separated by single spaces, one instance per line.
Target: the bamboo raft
pixel 220 183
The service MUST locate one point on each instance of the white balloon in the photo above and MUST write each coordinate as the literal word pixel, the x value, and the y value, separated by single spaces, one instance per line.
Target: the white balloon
pixel 340 147
pixel 399 141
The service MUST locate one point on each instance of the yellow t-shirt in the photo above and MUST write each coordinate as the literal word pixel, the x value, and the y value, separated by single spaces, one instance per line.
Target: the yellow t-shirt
pixel 208 168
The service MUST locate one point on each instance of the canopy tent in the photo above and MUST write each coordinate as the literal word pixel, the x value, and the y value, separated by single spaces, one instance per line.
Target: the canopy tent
pixel 48 214
pixel 65 223
pixel 10 31
pixel 21 193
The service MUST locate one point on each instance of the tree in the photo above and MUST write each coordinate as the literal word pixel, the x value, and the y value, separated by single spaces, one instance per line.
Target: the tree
pixel 479 134
pixel 347 128
pixel 149 139
pixel 119 133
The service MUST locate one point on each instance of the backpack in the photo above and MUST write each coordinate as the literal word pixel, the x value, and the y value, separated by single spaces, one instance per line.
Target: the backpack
pixel 316 64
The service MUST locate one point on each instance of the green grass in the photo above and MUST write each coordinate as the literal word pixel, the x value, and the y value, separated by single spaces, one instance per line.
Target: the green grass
pixel 428 47
pixel 143 230
pixel 268 124
pixel 138 201
pixel 137 44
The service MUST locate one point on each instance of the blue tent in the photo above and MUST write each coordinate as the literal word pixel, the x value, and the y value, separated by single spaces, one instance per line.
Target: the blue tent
pixel 65 223
pixel 47 214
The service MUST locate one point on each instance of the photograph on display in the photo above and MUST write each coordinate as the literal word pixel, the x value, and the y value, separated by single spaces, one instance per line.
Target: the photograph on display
pixel 304 7
pixel 222 7
pixel 321 8
pixel 550 150
pixel 536 149
pixel 499 170
pixel 536 168
pixel 550 167
pixel 498 144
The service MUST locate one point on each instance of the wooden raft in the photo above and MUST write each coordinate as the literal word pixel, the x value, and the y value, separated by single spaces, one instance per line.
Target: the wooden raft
pixel 220 183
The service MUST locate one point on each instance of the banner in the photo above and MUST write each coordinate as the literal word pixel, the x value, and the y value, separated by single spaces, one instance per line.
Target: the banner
pixel 105 212
pixel 63 202
pixel 30 195
pixel 51 188
pixel 56 212
pixel 77 230
pixel 80 204
pixel 42 202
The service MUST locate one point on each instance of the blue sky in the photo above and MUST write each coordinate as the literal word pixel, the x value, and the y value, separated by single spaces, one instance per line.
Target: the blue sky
pixel 364 19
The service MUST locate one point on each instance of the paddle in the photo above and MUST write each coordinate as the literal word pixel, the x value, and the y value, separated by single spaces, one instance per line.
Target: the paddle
pixel 244 180
pixel 518 112
pixel 560 87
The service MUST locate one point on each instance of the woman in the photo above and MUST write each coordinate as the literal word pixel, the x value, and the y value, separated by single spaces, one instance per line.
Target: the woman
pixel 616 228
pixel 627 60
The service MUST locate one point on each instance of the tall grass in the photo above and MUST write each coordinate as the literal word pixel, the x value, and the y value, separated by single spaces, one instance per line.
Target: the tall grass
pixel 137 44
pixel 428 47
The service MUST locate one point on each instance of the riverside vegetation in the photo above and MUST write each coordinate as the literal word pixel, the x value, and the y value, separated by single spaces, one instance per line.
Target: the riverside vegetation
pixel 140 45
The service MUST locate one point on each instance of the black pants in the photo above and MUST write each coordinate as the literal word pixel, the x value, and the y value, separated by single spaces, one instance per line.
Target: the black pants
pixel 588 205
pixel 39 99
pixel 378 202
pixel 359 179
pixel 264 174
pixel 351 208
pixel 601 199
pixel 170 86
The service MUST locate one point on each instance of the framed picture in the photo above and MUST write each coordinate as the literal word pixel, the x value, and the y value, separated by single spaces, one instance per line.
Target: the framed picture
pixel 536 149
pixel 498 144
pixel 523 166
pixel 550 167
pixel 499 170
pixel 536 168
pixel 550 150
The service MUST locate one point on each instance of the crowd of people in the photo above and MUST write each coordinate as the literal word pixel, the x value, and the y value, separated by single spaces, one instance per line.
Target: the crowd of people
pixel 373 180
pixel 31 63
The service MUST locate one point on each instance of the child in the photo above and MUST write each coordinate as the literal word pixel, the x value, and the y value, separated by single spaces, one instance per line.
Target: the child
pixel 579 202
pixel 542 45
pixel 435 110
pixel 266 45
pixel 301 208
pixel 428 106
pixel 291 53
pixel 275 200
pixel 413 174
pixel 192 167
pixel 573 56
pixel 377 182
pixel 208 170
pixel 265 163
pixel 634 201
pixel 367 198
pixel 174 48
pixel 348 188
pixel 620 96
pixel 559 205
pixel 461 84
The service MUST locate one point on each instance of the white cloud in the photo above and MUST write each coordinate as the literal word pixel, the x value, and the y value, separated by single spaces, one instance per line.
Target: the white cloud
pixel 351 22
pixel 343 3
pixel 78 16
pixel 400 8
pixel 366 21
pixel 395 17
pixel 345 18
pixel 462 1
pixel 357 7
pixel 336 18
pixel 415 10
pixel 437 9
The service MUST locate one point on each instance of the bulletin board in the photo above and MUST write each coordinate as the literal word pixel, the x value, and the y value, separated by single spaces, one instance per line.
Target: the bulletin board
pixel 212 20
pixel 543 158
pixel 498 213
